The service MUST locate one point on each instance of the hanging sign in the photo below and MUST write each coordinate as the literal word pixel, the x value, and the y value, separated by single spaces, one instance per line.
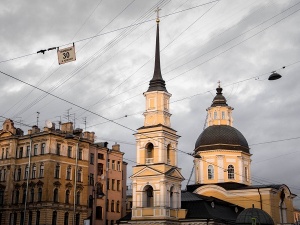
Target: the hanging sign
pixel 66 55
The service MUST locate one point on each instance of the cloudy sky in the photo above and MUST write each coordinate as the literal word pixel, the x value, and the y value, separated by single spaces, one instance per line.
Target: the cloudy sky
pixel 237 42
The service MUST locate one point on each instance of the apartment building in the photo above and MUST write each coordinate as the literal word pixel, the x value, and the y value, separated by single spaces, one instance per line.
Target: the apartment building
pixel 48 176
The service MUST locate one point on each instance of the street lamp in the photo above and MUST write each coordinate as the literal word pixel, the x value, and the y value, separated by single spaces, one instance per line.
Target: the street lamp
pixel 274 76
pixel 97 193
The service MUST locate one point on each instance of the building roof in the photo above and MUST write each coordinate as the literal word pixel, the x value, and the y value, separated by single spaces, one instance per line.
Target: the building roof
pixel 251 215
pixel 200 207
pixel 203 207
pixel 234 186
pixel 221 137
pixel 157 83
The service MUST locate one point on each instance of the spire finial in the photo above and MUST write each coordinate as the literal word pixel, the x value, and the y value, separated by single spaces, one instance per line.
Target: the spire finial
pixel 219 82
pixel 157 14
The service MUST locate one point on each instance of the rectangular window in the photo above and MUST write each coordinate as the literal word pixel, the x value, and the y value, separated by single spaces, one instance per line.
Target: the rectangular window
pixel 113 184
pixel 107 184
pixel 99 213
pixel 58 146
pixel 113 165
pixel 35 148
pixel 80 154
pixel 118 185
pixel 223 115
pixel 27 150
pixel 21 152
pixel 69 151
pixel 43 146
pixel 100 169
pixel 100 156
pixel 108 161
pixel 92 158
pixel 91 179
pixel 119 166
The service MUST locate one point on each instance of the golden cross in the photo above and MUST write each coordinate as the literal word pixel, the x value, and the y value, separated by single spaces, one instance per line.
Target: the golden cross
pixel 219 82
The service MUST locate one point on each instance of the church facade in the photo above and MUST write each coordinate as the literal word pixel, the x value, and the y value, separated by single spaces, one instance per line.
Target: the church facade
pixel 223 192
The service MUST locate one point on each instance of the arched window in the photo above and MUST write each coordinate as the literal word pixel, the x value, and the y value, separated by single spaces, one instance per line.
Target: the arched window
pixel 168 154
pixel 172 197
pixel 246 174
pixel 112 206
pixel 149 153
pixel 78 198
pixel 40 194
pixel 66 219
pixel 67 197
pixel 230 171
pixel 54 218
pixel 150 148
pixel 215 115
pixel 210 172
pixel 148 195
pixel 55 195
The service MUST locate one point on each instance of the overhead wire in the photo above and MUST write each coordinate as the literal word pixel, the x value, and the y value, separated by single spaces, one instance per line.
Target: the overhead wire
pixel 60 83
pixel 215 49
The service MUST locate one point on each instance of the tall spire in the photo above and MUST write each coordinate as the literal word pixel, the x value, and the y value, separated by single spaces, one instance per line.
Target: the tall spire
pixel 157 83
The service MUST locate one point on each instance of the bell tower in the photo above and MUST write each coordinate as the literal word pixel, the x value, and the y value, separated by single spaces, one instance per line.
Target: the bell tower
pixel 156 178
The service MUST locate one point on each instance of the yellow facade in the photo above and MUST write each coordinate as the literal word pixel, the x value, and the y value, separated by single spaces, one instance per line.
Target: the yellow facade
pixel 43 164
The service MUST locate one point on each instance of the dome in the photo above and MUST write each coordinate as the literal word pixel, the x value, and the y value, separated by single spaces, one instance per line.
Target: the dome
pixel 221 137
pixel 247 216
pixel 219 99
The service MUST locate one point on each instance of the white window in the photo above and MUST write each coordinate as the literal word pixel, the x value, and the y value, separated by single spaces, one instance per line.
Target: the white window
pixel 210 172
pixel 230 172
pixel 223 115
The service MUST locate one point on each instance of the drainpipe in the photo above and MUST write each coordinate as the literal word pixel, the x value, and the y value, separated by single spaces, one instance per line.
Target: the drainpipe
pixel 75 181
pixel 27 181
pixel 106 191
pixel 260 199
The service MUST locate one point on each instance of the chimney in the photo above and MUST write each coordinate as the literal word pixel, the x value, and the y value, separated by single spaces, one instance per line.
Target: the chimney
pixel 116 147
pixel 67 127
pixel 35 129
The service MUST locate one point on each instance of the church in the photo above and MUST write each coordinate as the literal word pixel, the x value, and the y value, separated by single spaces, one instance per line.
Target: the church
pixel 222 193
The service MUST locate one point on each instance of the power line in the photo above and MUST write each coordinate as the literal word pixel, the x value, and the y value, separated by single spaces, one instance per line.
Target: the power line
pixel 115 30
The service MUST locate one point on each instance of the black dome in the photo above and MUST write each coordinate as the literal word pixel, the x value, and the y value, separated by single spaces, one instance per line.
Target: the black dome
pixel 221 137
pixel 261 217
pixel 219 99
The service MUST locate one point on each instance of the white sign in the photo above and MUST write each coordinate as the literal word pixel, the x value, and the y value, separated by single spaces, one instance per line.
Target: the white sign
pixel 66 55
